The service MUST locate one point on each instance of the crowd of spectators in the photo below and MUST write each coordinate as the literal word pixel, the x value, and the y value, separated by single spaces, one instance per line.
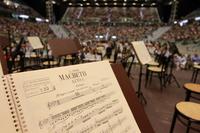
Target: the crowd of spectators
pixel 113 14
pixel 124 35
pixel 190 31
pixel 89 32
pixel 19 27
pixel 181 61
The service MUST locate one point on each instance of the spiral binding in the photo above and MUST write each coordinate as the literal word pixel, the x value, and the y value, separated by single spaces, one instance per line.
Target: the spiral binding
pixel 14 104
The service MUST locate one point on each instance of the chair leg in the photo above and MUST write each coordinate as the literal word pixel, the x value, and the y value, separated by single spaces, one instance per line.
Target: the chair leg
pixel 173 121
pixel 193 74
pixel 188 94
pixel 188 126
pixel 164 77
pixel 151 74
pixel 195 78
pixel 160 77
pixel 147 78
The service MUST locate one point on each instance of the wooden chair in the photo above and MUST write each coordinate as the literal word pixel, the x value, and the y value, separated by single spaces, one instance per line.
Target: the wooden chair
pixel 161 70
pixel 196 69
pixel 51 62
pixel 191 88
pixel 188 111
pixel 151 63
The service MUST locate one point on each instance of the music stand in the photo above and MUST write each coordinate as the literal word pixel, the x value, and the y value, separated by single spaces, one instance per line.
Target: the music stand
pixel 3 64
pixel 63 47
pixel 36 45
pixel 171 75
pixel 35 42
pixel 143 57
pixel 4 42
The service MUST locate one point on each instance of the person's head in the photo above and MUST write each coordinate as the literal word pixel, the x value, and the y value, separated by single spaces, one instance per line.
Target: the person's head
pixel 196 55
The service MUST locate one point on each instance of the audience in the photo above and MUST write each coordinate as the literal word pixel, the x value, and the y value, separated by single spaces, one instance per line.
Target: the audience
pixel 196 58
pixel 189 31
pixel 92 31
pixel 100 40
pixel 112 14
pixel 23 28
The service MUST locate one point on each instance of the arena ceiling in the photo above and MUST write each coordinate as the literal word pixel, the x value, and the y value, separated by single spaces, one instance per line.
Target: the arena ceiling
pixel 184 6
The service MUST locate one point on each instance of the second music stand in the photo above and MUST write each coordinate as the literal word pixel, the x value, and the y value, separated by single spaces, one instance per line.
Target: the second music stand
pixel 143 57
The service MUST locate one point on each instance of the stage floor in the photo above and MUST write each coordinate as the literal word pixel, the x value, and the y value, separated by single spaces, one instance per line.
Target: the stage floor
pixel 160 104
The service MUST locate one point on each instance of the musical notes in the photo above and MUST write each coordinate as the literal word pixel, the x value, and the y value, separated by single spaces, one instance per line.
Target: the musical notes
pixel 62 116
pixel 75 120
pixel 87 91
pixel 58 105
pixel 108 121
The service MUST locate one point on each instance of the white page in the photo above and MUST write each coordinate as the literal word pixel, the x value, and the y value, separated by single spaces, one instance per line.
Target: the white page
pixel 141 51
pixel 35 42
pixel 55 101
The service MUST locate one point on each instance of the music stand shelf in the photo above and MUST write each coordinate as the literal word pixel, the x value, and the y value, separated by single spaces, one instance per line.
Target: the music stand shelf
pixel 63 47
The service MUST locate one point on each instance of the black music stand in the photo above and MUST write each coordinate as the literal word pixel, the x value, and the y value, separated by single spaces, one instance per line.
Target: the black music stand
pixel 3 63
pixel 171 76
pixel 139 92
pixel 144 57
pixel 63 47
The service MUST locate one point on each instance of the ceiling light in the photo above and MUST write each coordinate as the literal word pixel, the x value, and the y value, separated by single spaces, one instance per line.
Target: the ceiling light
pixel 70 4
pixel 16 5
pixel 84 0
pixel 88 4
pixel 105 3
pixel 115 3
pixel 125 0
pixel 153 4
pixel 7 2
pixel 97 4
pixel 124 4
pixel 133 3
pixel 81 4
pixel 38 19
pixel 47 20
pixel 64 0
pixel 24 16
pixel 142 4
pixel 197 18
pixel 53 2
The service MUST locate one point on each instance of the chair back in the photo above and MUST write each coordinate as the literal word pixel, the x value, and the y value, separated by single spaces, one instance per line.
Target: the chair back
pixel 127 63
pixel 164 62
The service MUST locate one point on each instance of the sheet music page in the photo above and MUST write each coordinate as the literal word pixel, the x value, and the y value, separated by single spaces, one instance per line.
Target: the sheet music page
pixel 82 98
pixel 6 121
pixel 142 52
pixel 35 42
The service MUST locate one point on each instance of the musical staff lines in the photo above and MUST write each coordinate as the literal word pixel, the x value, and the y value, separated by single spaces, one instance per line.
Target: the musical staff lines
pixel 75 95
pixel 56 119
